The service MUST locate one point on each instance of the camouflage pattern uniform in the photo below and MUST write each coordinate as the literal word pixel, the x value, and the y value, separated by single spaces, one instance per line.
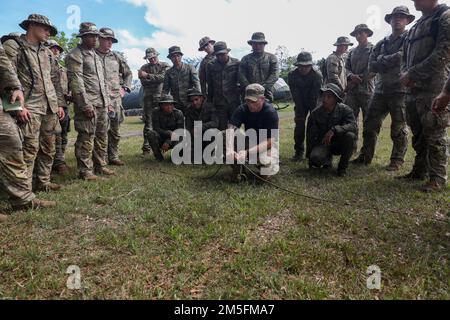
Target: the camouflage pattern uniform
pixel 305 92
pixel 223 89
pixel 206 114
pixel 177 82
pixel 389 98
pixel 62 136
pixel 259 68
pixel 14 177
pixel 152 93
pixel 87 83
pixel 203 71
pixel 426 60
pixel 342 122
pixel 336 72
pixel 43 95
pixel 163 126
pixel 117 76
pixel 357 63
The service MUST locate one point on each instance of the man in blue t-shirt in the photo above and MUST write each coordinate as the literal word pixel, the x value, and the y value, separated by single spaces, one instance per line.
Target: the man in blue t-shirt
pixel 260 144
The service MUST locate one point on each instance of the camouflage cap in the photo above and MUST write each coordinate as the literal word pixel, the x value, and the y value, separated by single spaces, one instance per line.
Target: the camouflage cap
pixel 204 42
pixel 39 19
pixel 194 93
pixel 257 37
pixel 304 59
pixel 88 28
pixel 151 53
pixel 343 41
pixel 12 35
pixel 333 88
pixel 254 92
pixel 221 47
pixel 173 50
pixel 166 99
pixel 108 33
pixel 362 27
pixel 400 10
pixel 52 44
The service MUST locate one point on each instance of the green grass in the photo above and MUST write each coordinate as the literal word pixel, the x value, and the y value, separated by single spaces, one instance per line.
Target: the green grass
pixel 148 234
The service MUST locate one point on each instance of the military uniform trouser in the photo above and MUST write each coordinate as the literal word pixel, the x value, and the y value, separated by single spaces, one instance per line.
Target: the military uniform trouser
pixel 114 132
pixel 380 106
pixel 430 140
pixel 62 141
pixel 343 145
pixel 224 113
pixel 91 147
pixel 157 140
pixel 359 102
pixel 47 149
pixel 150 103
pixel 300 131
pixel 15 182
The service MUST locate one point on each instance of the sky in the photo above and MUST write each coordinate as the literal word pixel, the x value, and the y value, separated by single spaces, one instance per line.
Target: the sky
pixel 296 24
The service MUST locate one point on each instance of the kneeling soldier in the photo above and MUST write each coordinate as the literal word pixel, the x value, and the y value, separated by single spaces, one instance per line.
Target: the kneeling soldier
pixel 166 120
pixel 332 130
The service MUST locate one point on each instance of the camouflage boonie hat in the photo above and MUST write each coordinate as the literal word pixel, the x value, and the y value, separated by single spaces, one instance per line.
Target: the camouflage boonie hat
pixel 400 10
pixel 254 92
pixel 39 19
pixel 173 50
pixel 362 27
pixel 166 99
pixel 12 35
pixel 194 93
pixel 334 89
pixel 88 28
pixel 257 37
pixel 52 43
pixel 107 33
pixel 151 53
pixel 221 47
pixel 304 59
pixel 204 42
pixel 343 41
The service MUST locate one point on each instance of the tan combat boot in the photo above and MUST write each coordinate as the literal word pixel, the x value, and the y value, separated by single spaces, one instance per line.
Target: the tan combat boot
pixel 395 165
pixel 49 187
pixel 61 169
pixel 105 172
pixel 35 204
pixel 432 186
pixel 117 163
pixel 3 218
pixel 91 177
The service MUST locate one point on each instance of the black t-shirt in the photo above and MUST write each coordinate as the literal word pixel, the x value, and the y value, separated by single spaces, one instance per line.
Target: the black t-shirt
pixel 267 119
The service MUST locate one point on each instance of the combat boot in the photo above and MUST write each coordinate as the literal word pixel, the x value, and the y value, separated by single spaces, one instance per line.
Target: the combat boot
pixel 49 187
pixel 61 169
pixel 104 172
pixel 91 177
pixel 361 160
pixel 117 163
pixel 413 176
pixel 432 186
pixel 298 157
pixel 395 165
pixel 3 218
pixel 35 204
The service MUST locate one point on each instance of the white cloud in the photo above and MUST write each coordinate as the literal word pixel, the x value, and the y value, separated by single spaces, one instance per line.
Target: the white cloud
pixel 298 25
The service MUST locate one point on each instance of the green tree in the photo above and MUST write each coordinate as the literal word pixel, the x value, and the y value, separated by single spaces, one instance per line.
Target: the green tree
pixel 286 61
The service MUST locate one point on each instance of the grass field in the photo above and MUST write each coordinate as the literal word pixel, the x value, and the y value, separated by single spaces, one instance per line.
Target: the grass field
pixel 157 231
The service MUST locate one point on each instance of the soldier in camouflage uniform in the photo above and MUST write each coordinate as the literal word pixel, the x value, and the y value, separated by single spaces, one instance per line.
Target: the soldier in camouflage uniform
pixel 59 164
pixel 14 178
pixel 118 77
pixel 360 82
pixel 223 84
pixel 335 64
pixel 152 77
pixel 200 111
pixel 44 104
pixel 425 70
pixel 179 79
pixel 442 101
pixel 332 130
pixel 166 120
pixel 91 103
pixel 389 96
pixel 259 66
pixel 305 83
pixel 207 45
